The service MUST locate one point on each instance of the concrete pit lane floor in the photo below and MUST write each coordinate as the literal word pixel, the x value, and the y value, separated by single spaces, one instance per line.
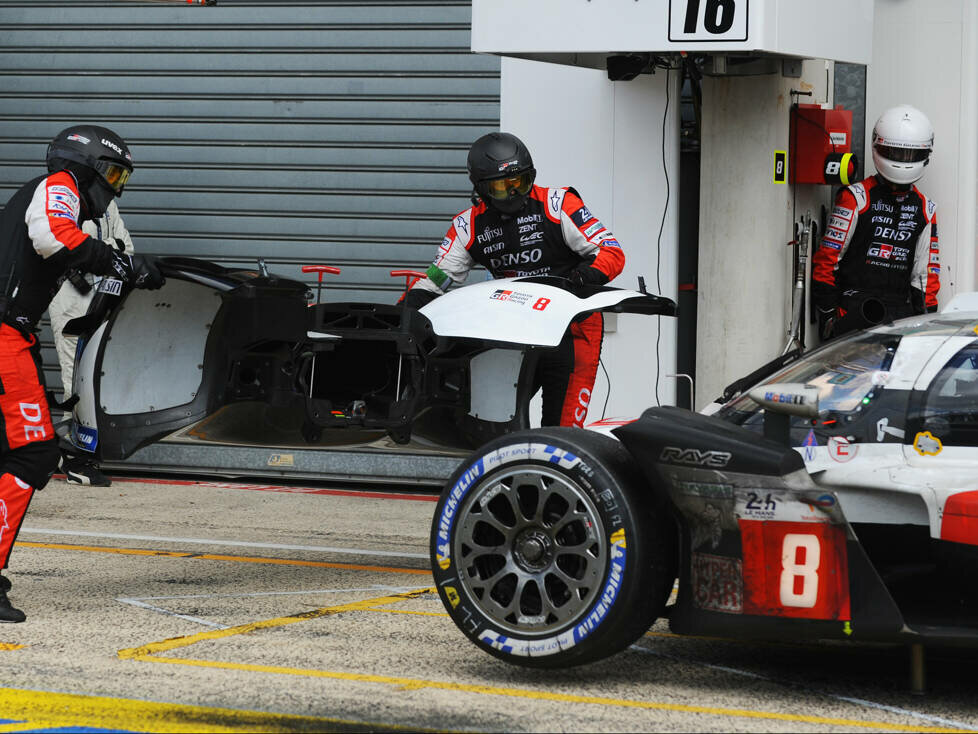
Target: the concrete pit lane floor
pixel 169 606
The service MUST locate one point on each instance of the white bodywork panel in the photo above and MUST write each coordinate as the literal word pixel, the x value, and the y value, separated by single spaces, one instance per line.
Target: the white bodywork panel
pixel 514 310
pixel 493 377
pixel 138 374
pixel 83 386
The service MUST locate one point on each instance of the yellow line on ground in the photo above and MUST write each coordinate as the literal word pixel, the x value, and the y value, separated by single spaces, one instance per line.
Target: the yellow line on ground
pixel 216 557
pixel 149 653
pixel 419 684
pixel 10 646
pixel 44 710
pixel 177 642
pixel 407 611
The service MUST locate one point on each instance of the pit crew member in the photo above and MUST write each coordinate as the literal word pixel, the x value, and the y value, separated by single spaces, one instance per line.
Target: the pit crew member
pixel 40 240
pixel 879 258
pixel 516 228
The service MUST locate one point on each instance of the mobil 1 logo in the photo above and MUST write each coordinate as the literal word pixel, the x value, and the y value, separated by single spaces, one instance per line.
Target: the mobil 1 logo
pixel 708 20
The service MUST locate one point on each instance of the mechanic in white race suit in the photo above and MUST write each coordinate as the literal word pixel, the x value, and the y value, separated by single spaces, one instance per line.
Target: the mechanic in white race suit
pixel 71 301
pixel 879 258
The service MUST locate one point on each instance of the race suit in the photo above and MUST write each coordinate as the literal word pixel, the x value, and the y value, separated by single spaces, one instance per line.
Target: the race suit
pixel 74 296
pixel 880 248
pixel 553 234
pixel 40 239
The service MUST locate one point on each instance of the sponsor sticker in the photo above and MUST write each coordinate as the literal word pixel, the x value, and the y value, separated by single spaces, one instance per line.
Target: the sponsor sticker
pixel 835 235
pixel 717 583
pixel 582 216
pixel 79 138
pixel 112 286
pixel 610 242
pixel 927 444
pixel 593 229
pixel 85 437
pixel 841 450
pixel 514 296
pixel 810 443
pixel 842 212
pixel 281 460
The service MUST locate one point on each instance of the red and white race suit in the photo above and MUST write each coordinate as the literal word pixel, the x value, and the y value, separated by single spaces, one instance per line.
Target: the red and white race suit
pixel 40 239
pixel 553 234
pixel 879 243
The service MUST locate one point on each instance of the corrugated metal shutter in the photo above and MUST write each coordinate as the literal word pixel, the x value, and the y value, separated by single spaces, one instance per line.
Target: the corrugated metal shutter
pixel 300 132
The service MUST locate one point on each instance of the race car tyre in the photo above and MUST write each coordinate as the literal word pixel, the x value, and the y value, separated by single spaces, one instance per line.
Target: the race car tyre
pixel 548 549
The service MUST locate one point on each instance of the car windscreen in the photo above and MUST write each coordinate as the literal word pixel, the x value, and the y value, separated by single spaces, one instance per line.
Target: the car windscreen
pixel 850 375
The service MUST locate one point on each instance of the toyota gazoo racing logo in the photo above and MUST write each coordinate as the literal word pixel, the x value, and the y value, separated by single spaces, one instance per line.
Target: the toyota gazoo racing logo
pixel 695 457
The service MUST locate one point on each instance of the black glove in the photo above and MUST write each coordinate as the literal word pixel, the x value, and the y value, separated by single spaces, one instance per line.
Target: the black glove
pixel 826 321
pixel 120 266
pixel 146 273
pixel 586 275
pixel 418 297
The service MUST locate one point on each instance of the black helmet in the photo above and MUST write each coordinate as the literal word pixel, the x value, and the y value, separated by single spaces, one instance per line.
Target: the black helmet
pixel 501 170
pixel 96 148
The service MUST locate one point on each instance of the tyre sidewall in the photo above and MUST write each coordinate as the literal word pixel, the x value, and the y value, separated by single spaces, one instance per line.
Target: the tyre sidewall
pixel 583 458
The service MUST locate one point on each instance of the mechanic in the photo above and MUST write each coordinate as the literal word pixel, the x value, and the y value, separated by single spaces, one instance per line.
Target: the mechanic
pixel 40 241
pixel 71 301
pixel 516 228
pixel 879 257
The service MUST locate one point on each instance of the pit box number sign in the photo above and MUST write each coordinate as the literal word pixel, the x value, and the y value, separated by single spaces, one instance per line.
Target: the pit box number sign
pixel 707 20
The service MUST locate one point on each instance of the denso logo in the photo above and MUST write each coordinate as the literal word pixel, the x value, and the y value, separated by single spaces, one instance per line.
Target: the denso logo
pixel 892 234
pixel 109 144
pixel 519 258
pixel 695 457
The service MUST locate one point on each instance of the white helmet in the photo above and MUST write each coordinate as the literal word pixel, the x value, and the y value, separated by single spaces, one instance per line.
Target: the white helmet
pixel 902 143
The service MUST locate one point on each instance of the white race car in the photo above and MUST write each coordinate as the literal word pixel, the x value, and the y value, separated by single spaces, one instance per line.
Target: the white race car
pixel 836 499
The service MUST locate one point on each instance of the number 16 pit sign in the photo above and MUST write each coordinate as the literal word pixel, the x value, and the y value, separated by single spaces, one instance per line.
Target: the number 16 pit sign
pixel 707 20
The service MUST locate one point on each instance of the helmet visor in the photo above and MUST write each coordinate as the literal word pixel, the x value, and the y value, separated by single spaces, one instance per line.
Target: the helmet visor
pixel 903 155
pixel 503 188
pixel 114 174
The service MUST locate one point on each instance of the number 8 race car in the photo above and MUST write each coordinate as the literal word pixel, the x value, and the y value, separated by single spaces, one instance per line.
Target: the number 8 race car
pixel 817 505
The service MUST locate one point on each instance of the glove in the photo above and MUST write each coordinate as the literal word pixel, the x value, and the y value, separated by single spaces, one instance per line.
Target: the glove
pixel 146 273
pixel 120 266
pixel 586 275
pixel 418 297
pixel 826 322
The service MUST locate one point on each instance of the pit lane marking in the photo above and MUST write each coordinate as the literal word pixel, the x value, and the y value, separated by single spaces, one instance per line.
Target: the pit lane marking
pixel 218 541
pixel 151 653
pixel 25 710
pixel 140 602
pixel 955 725
pixel 216 557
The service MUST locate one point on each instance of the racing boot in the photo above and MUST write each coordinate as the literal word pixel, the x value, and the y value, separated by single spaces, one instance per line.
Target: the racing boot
pixel 83 470
pixel 5 584
pixel 9 613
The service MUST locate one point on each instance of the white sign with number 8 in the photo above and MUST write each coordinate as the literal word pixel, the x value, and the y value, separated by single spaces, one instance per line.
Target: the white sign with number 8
pixel 807 570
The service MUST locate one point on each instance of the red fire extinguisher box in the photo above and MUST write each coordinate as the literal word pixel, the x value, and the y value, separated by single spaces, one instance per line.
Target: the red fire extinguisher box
pixel 821 145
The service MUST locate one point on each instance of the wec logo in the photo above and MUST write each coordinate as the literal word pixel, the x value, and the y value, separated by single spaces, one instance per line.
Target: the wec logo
pixel 695 457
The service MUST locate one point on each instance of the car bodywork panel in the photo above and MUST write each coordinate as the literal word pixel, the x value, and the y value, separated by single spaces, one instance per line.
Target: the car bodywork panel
pixel 214 340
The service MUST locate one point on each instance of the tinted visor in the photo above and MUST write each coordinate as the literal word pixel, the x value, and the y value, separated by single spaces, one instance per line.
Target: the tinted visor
pixel 903 155
pixel 115 175
pixel 503 188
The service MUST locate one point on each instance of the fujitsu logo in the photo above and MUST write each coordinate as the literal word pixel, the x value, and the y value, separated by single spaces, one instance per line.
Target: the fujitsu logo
pixel 695 457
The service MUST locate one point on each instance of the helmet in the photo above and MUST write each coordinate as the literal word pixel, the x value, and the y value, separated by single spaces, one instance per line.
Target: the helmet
pixel 501 170
pixel 96 148
pixel 902 143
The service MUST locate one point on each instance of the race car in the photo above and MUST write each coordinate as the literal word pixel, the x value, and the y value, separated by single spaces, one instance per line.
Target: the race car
pixel 243 356
pixel 835 500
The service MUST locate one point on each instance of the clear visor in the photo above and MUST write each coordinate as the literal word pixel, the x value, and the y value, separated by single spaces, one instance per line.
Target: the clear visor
pixel 115 175
pixel 903 155
pixel 503 188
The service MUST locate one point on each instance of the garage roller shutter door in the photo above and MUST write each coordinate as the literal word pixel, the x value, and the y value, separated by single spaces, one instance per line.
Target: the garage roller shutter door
pixel 298 132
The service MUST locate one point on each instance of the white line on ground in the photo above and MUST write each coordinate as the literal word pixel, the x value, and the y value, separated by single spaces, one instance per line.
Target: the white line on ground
pixel 235 543
pixel 141 601
pixel 857 701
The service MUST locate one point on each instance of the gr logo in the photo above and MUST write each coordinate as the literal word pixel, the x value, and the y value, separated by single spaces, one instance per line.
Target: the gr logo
pixel 695 457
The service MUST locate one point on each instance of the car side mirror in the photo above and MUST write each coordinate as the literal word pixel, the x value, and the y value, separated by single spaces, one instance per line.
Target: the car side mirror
pixel 781 401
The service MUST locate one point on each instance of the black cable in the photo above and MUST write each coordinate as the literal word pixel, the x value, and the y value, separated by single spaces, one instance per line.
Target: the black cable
pixel 604 409
pixel 658 243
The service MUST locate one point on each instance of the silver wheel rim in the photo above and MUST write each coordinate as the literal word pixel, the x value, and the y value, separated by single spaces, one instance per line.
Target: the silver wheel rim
pixel 531 549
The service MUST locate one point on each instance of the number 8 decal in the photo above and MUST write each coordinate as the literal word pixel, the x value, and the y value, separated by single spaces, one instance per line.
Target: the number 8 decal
pixel 800 556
